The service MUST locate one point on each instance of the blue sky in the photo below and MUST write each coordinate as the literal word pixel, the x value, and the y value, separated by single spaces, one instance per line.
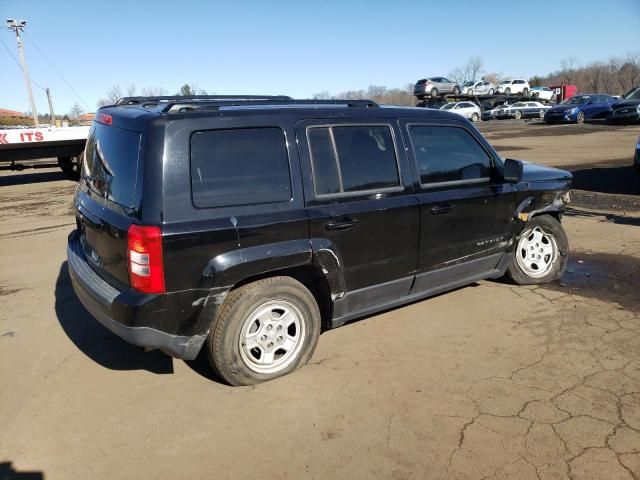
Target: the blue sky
pixel 294 47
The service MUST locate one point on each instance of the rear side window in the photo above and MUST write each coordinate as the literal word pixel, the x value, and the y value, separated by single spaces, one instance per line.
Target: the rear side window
pixel 110 166
pixel 352 159
pixel 239 167
pixel 448 154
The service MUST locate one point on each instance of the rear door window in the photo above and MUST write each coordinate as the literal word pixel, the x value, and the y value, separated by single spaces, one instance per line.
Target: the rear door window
pixel 448 154
pixel 349 159
pixel 110 166
pixel 239 167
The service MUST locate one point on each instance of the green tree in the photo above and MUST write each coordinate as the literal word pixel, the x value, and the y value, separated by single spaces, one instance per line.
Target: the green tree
pixel 189 90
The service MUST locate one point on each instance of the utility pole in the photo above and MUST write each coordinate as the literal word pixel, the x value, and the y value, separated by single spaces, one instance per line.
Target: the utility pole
pixel 17 27
pixel 52 121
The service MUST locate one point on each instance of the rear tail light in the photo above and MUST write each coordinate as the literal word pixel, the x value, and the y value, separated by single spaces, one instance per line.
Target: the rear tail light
pixel 146 268
pixel 104 118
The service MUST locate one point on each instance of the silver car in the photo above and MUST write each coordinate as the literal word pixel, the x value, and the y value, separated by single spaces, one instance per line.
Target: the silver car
pixel 480 87
pixel 434 86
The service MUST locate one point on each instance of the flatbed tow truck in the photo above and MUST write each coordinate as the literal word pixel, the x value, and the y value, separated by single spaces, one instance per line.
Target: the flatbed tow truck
pixel 66 144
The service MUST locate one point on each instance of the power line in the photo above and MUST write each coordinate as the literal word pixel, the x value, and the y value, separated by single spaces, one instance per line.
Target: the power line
pixel 18 63
pixel 58 72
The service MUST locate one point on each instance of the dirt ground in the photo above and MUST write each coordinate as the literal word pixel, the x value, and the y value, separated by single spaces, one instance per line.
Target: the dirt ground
pixel 489 381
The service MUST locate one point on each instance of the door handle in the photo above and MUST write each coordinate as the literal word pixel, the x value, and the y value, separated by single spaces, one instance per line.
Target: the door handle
pixel 441 209
pixel 342 224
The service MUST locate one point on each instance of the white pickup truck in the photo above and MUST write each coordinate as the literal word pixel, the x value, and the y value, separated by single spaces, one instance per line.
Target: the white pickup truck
pixel 65 143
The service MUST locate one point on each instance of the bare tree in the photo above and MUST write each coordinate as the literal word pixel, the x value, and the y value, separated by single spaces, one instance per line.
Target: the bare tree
pixel 474 67
pixel 568 66
pixel 468 72
pixel 494 78
pixel 153 92
pixel 113 95
pixel 629 72
pixel 323 95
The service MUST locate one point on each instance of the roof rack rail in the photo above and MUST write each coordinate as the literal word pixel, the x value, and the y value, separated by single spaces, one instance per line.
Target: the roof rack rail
pixel 216 105
pixel 196 98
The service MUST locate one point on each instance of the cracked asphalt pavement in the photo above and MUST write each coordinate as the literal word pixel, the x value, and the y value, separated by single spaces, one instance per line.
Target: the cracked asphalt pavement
pixel 490 381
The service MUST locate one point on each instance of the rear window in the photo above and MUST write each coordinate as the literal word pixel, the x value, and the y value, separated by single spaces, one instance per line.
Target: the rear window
pixel 111 164
pixel 239 167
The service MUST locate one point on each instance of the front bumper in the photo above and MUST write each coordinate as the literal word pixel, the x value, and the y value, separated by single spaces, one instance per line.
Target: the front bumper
pixel 560 117
pixel 151 321
pixel 618 116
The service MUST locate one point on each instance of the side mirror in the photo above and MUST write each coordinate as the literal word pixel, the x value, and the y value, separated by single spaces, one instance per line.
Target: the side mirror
pixel 512 171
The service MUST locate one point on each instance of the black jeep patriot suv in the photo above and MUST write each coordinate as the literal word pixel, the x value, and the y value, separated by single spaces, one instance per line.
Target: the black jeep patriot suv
pixel 247 225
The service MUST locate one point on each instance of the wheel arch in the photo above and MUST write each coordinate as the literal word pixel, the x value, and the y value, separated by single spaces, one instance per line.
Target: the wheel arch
pixel 311 276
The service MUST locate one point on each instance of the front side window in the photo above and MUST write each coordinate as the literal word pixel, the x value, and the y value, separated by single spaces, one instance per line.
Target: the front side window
pixel 352 158
pixel 239 167
pixel 448 154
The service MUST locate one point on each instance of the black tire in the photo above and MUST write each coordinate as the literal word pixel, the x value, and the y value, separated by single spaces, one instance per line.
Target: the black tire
pixel 223 342
pixel 456 90
pixel 491 91
pixel 434 92
pixel 580 118
pixel 507 91
pixel 525 92
pixel 518 114
pixel 475 117
pixel 552 227
pixel 541 114
pixel 71 166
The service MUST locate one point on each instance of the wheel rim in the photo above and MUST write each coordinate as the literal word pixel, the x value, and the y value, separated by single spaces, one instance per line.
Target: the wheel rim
pixel 518 115
pixel 580 117
pixel 537 252
pixel 541 113
pixel 272 336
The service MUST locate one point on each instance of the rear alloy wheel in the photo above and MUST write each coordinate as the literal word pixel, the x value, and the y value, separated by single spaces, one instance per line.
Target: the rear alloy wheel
pixel 580 118
pixel 507 91
pixel 491 91
pixel 474 117
pixel 525 92
pixel 263 330
pixel 518 114
pixel 456 90
pixel 541 114
pixel 434 92
pixel 541 252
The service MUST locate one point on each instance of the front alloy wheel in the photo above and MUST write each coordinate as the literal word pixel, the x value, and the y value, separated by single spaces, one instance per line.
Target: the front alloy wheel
pixel 536 252
pixel 580 117
pixel 541 252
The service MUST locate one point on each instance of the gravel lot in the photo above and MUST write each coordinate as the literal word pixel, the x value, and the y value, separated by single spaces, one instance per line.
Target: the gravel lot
pixel 489 381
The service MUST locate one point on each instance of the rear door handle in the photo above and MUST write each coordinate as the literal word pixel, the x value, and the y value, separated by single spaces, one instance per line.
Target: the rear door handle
pixel 441 209
pixel 342 224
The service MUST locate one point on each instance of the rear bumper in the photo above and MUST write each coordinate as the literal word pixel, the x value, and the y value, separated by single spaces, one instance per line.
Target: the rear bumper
pixel 144 320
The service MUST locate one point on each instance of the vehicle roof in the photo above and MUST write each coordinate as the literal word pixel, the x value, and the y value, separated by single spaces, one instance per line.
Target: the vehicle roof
pixel 134 117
